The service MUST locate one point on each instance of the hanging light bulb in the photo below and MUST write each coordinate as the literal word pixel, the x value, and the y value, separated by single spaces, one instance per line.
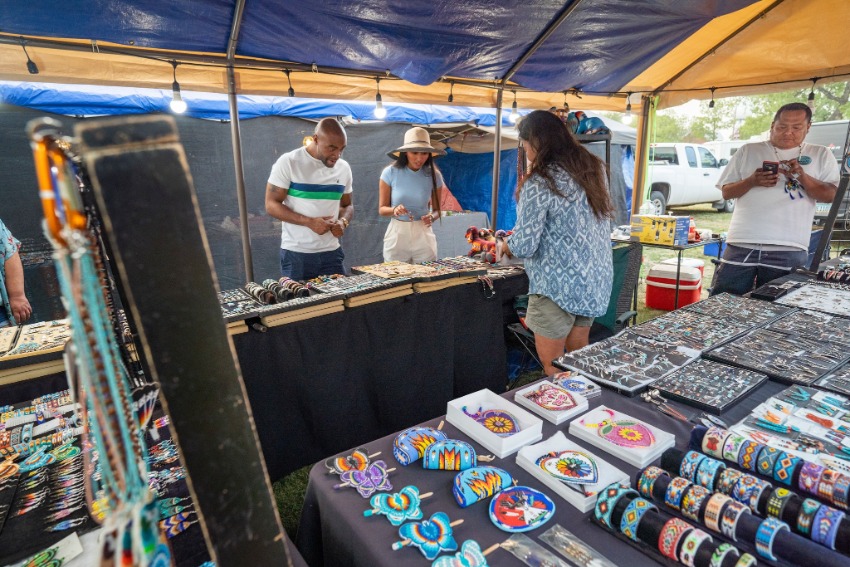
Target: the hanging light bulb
pixel 380 111
pixel 811 100
pixel 288 80
pixel 514 115
pixel 627 117
pixel 566 105
pixel 178 105
pixel 31 66
pixel 452 91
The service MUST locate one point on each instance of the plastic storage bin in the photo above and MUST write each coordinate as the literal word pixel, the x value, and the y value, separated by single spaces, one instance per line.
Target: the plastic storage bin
pixel 661 286
pixel 712 248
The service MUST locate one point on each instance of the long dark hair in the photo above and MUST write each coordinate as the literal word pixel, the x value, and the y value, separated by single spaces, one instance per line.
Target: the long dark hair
pixel 401 162
pixel 556 146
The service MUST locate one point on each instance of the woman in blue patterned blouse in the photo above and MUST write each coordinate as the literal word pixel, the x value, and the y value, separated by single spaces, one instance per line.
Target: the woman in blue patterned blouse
pixel 563 233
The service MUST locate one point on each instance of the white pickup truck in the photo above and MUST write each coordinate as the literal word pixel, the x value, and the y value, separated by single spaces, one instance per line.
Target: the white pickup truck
pixel 685 174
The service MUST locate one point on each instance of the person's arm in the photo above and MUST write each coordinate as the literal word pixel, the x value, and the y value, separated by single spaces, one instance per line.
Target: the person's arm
pixel 275 207
pixel 346 213
pixel 531 218
pixel 759 178
pixel 21 309
pixel 434 215
pixel 816 189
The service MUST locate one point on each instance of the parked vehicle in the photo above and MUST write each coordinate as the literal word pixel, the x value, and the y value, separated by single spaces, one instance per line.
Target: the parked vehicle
pixel 831 134
pixel 685 174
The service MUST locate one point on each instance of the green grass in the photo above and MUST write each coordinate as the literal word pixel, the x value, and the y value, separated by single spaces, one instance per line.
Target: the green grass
pixel 289 494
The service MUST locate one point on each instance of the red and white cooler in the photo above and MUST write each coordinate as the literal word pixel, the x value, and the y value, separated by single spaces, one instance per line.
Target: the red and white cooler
pixel 661 286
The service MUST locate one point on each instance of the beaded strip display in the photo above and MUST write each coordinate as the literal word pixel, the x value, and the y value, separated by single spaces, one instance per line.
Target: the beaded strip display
pixel 730 308
pixel 780 356
pixel 99 380
pixel 626 362
pixel 819 298
pixel 690 329
pixel 710 385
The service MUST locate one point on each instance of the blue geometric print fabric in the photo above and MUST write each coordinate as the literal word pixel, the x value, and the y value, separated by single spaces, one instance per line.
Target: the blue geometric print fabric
pixel 567 250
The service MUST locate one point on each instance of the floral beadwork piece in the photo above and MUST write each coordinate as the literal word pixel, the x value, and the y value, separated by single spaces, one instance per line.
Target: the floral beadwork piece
pixel 410 445
pixel 432 536
pixel 553 398
pixel 374 479
pixel 479 483
pixel 572 467
pixel 626 433
pixel 497 421
pixel 398 507
pixel 520 509
pixel 358 460
pixel 470 555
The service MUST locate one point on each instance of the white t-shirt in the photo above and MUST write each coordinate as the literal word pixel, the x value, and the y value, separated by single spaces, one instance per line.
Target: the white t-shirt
pixel 768 215
pixel 313 190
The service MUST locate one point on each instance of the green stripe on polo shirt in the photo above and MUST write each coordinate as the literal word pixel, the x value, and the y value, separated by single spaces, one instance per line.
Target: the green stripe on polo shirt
pixel 315 195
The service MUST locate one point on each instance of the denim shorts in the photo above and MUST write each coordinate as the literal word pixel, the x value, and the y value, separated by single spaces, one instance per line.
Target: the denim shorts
pixel 547 319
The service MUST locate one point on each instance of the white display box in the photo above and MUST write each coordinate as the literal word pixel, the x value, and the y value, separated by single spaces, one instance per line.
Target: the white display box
pixel 524 398
pixel 582 496
pixel 634 441
pixel 530 430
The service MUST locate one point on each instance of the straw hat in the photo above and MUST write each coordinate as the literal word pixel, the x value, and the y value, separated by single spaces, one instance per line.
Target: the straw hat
pixel 416 140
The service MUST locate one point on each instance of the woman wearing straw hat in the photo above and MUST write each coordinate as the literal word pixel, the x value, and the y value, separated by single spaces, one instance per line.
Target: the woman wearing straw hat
pixel 410 194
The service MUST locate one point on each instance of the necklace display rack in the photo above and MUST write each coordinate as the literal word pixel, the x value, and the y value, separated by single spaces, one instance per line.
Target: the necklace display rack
pixel 785 358
pixel 727 307
pixel 690 329
pixel 824 296
pixel 710 386
pixel 626 362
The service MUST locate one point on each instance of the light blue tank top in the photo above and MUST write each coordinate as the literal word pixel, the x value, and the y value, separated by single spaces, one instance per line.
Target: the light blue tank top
pixel 410 188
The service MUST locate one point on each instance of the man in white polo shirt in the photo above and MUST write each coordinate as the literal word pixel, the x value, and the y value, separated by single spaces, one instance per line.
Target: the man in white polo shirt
pixel 309 190
pixel 772 223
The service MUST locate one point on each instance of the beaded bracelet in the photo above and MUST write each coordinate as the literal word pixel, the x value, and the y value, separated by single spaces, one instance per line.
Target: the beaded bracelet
pixel 748 455
pixel 707 472
pixel 729 520
pixel 632 516
pixel 779 498
pixel 728 479
pixel 825 526
pixel 766 535
pixel 744 489
pixel 746 560
pixel 647 480
pixel 692 502
pixel 671 535
pixel 810 475
pixel 841 491
pixel 713 440
pixel 826 488
pixel 690 464
pixel 732 446
pixel 675 492
pixel 720 554
pixel 607 500
pixel 808 509
pixel 784 469
pixel 692 542
pixel 766 461
pixel 714 510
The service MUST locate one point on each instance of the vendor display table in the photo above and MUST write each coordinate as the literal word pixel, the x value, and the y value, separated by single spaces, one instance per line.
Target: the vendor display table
pixel 325 384
pixel 333 530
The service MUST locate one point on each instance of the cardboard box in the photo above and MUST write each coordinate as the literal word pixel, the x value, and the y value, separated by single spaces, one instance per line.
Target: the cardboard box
pixel 661 229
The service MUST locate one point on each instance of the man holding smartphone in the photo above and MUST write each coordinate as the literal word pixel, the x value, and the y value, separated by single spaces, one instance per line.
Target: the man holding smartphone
pixel 777 184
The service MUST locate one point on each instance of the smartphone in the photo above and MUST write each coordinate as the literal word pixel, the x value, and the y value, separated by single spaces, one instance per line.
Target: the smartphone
pixel 771 167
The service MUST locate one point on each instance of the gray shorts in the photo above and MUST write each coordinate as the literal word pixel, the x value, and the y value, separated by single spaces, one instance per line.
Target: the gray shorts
pixel 547 319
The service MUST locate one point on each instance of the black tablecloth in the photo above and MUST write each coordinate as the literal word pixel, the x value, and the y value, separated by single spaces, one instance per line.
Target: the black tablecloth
pixel 325 384
pixel 334 532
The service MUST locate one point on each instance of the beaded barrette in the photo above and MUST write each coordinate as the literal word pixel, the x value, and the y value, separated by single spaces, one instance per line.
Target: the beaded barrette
pixel 497 421
pixel 431 537
pixel 398 507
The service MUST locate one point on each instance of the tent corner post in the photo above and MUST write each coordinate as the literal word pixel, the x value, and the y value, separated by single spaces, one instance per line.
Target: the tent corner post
pixel 236 140
pixel 497 158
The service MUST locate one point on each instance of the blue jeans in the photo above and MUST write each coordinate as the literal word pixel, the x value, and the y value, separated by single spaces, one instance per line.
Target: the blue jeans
pixel 303 266
pixel 743 269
